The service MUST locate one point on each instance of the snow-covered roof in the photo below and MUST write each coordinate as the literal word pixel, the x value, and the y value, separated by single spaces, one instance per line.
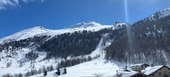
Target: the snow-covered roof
pixel 137 64
pixel 149 70
pixel 127 73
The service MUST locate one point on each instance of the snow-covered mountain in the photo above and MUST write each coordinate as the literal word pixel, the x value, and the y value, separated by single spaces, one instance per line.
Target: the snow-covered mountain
pixel 159 14
pixel 94 24
pixel 149 41
pixel 90 38
pixel 24 34
pixel 156 16
pixel 103 46
pixel 39 31
pixel 20 65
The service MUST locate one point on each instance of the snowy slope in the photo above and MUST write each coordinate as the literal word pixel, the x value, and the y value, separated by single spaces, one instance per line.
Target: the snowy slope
pixel 39 31
pixel 15 59
pixel 93 68
pixel 124 73
pixel 158 15
pixel 25 34
pixel 149 70
pixel 98 67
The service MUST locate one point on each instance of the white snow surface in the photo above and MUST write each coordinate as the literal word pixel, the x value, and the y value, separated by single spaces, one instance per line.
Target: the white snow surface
pixel 161 14
pixel 158 15
pixel 164 13
pixel 24 34
pixel 137 64
pixel 149 70
pixel 15 69
pixel 39 31
pixel 125 73
pixel 98 67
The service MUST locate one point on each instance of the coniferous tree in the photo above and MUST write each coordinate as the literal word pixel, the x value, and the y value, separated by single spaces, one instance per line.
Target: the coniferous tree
pixel 20 75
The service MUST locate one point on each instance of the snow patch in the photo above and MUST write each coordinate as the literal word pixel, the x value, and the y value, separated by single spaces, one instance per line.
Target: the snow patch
pixel 149 70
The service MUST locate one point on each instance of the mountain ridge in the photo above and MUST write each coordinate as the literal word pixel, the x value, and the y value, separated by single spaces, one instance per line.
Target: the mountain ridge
pixel 159 14
pixel 40 31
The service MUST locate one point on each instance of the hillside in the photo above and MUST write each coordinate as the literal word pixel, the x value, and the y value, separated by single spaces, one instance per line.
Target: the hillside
pixel 37 49
pixel 40 31
pixel 150 43
pixel 33 51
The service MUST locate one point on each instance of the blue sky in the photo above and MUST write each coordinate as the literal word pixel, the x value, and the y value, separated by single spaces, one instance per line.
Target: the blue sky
pixel 16 15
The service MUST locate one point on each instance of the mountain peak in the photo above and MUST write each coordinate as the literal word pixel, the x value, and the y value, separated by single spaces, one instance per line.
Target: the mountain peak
pixel 85 25
pixel 159 14
pixel 38 27
pixel 156 16
pixel 39 31
pixel 91 22
pixel 78 25
pixel 25 34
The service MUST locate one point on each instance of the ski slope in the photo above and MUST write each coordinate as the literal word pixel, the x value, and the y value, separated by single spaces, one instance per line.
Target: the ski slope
pixel 98 67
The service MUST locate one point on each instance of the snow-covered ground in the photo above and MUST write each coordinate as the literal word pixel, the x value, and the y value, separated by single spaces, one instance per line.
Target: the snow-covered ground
pixel 15 69
pixel 149 70
pixel 98 67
